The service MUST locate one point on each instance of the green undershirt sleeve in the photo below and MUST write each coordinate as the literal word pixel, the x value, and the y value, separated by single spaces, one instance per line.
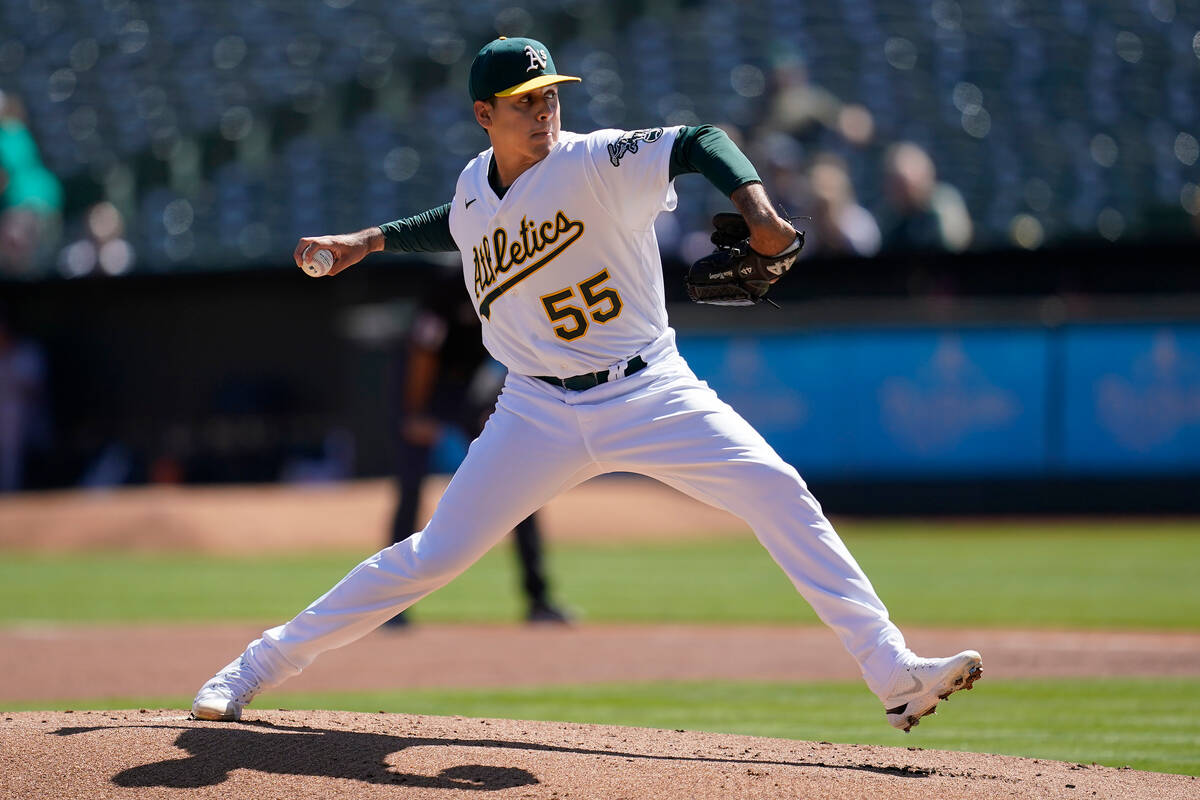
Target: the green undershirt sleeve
pixel 427 232
pixel 708 150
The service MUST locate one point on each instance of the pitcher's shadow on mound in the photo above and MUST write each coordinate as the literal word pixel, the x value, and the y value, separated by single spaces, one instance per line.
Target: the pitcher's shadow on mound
pixel 297 750
pixel 215 752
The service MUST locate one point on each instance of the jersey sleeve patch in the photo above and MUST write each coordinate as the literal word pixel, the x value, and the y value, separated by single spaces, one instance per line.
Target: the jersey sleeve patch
pixel 630 142
pixel 630 173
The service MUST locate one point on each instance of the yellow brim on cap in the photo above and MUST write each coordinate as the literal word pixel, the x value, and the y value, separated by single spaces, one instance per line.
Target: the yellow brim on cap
pixel 535 83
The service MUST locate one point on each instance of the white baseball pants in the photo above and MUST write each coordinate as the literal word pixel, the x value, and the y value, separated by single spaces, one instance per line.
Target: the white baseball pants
pixel 662 422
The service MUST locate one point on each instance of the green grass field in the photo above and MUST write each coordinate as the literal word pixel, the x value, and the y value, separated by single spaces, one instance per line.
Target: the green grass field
pixel 1096 575
pixel 1084 575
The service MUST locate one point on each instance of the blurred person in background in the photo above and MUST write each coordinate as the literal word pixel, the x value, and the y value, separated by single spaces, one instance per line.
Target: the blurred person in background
pixel 446 380
pixel 31 197
pixel 809 112
pixel 926 214
pixel 22 404
pixel 101 248
pixel 840 226
pixel 783 161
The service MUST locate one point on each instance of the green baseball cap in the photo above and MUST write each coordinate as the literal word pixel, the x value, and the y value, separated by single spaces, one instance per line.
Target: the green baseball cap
pixel 506 67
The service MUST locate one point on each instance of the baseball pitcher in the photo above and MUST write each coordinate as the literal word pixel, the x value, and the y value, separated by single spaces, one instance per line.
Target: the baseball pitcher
pixel 556 234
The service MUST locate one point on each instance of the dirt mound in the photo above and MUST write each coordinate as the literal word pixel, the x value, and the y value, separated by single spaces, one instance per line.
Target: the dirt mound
pixel 311 754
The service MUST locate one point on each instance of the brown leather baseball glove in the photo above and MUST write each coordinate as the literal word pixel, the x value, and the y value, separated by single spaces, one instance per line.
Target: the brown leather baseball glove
pixel 734 274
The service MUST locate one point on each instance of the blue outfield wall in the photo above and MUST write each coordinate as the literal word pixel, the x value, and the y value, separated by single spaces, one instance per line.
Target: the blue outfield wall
pixel 967 403
pixel 1131 400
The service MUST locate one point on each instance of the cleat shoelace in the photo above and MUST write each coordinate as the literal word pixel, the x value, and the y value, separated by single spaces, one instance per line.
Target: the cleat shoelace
pixel 241 683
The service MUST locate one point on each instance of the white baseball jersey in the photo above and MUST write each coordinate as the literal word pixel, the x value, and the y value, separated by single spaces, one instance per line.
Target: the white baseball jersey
pixel 565 275
pixel 564 269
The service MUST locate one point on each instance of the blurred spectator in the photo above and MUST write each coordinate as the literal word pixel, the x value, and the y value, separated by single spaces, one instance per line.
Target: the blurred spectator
pixel 927 215
pixel 102 246
pixel 839 226
pixel 782 168
pixel 803 109
pixel 31 201
pixel 22 405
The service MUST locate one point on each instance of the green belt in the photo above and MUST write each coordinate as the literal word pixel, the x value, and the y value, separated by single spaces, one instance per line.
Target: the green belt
pixel 577 383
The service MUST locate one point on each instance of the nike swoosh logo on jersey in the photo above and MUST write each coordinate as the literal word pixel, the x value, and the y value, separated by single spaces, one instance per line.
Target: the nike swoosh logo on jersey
pixel 467 204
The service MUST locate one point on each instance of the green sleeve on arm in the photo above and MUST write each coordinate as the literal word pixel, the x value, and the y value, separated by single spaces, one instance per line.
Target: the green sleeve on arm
pixel 708 150
pixel 427 232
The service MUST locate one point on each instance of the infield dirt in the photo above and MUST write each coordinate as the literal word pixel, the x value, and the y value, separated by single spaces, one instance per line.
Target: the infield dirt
pixel 311 754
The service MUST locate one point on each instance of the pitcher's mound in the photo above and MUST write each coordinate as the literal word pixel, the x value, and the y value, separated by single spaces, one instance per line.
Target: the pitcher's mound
pixel 322 754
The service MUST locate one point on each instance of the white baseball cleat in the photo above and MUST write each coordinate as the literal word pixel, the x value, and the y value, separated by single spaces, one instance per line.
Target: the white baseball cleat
pixel 915 692
pixel 226 693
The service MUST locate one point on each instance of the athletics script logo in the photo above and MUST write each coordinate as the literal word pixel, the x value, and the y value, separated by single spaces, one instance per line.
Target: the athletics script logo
pixel 496 256
pixel 629 143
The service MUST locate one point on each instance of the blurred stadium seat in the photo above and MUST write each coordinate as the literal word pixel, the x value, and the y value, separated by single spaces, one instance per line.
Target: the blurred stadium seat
pixel 246 123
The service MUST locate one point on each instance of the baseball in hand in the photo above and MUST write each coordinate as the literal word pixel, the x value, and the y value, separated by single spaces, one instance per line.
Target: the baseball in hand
pixel 320 263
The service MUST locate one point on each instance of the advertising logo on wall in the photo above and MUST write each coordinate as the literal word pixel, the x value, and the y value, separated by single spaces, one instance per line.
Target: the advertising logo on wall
pixel 947 398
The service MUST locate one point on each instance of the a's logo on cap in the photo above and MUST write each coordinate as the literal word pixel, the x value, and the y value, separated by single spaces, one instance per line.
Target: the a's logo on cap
pixel 537 58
